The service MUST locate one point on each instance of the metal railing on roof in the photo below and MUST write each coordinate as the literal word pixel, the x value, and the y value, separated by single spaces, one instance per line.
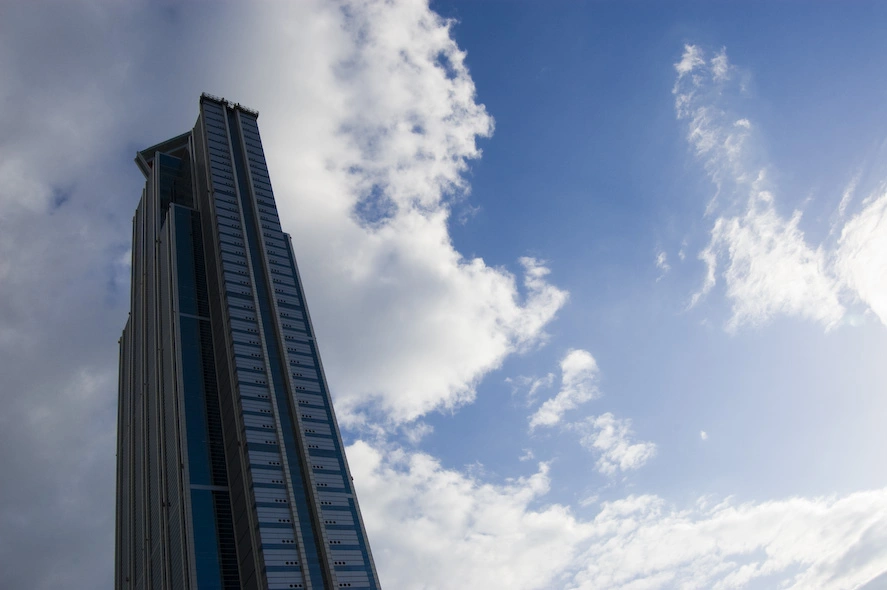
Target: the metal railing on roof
pixel 213 97
pixel 220 100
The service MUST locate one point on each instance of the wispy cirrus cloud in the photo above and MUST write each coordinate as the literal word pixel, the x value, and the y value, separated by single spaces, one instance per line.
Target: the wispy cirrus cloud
pixel 767 264
pixel 861 256
pixel 770 270
pixel 662 264
pixel 530 386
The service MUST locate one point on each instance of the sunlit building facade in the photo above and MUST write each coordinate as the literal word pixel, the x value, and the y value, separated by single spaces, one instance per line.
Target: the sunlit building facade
pixel 231 471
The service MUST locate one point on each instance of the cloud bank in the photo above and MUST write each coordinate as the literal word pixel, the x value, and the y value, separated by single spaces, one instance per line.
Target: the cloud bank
pixel 434 527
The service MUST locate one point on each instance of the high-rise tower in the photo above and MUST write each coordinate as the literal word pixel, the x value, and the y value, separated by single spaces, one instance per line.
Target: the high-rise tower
pixel 231 471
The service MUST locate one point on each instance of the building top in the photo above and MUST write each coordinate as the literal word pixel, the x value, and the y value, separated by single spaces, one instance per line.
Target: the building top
pixel 233 105
pixel 145 158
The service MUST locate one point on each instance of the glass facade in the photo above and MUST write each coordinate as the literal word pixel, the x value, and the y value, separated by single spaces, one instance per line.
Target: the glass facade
pixel 231 468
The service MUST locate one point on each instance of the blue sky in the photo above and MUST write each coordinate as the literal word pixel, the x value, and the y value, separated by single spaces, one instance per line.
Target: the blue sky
pixel 601 288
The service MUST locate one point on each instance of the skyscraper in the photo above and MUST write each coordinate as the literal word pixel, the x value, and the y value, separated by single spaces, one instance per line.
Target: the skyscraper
pixel 231 471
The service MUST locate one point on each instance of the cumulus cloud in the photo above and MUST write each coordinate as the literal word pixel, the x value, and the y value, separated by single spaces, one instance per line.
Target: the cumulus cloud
pixel 703 435
pixel 63 290
pixel 434 527
pixel 611 439
pixel 578 385
pixel 416 431
pixel 57 438
pixel 438 528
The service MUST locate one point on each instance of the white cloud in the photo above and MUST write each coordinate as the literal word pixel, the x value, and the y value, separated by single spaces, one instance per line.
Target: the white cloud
pixel 589 500
pixel 720 67
pixel 767 265
pixel 434 527
pixel 662 264
pixel 611 439
pixel 703 435
pixel 770 268
pixel 416 431
pixel 532 385
pixel 822 543
pixel 605 435
pixel 861 257
pixel 578 375
pixel 847 196
pixel 690 60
